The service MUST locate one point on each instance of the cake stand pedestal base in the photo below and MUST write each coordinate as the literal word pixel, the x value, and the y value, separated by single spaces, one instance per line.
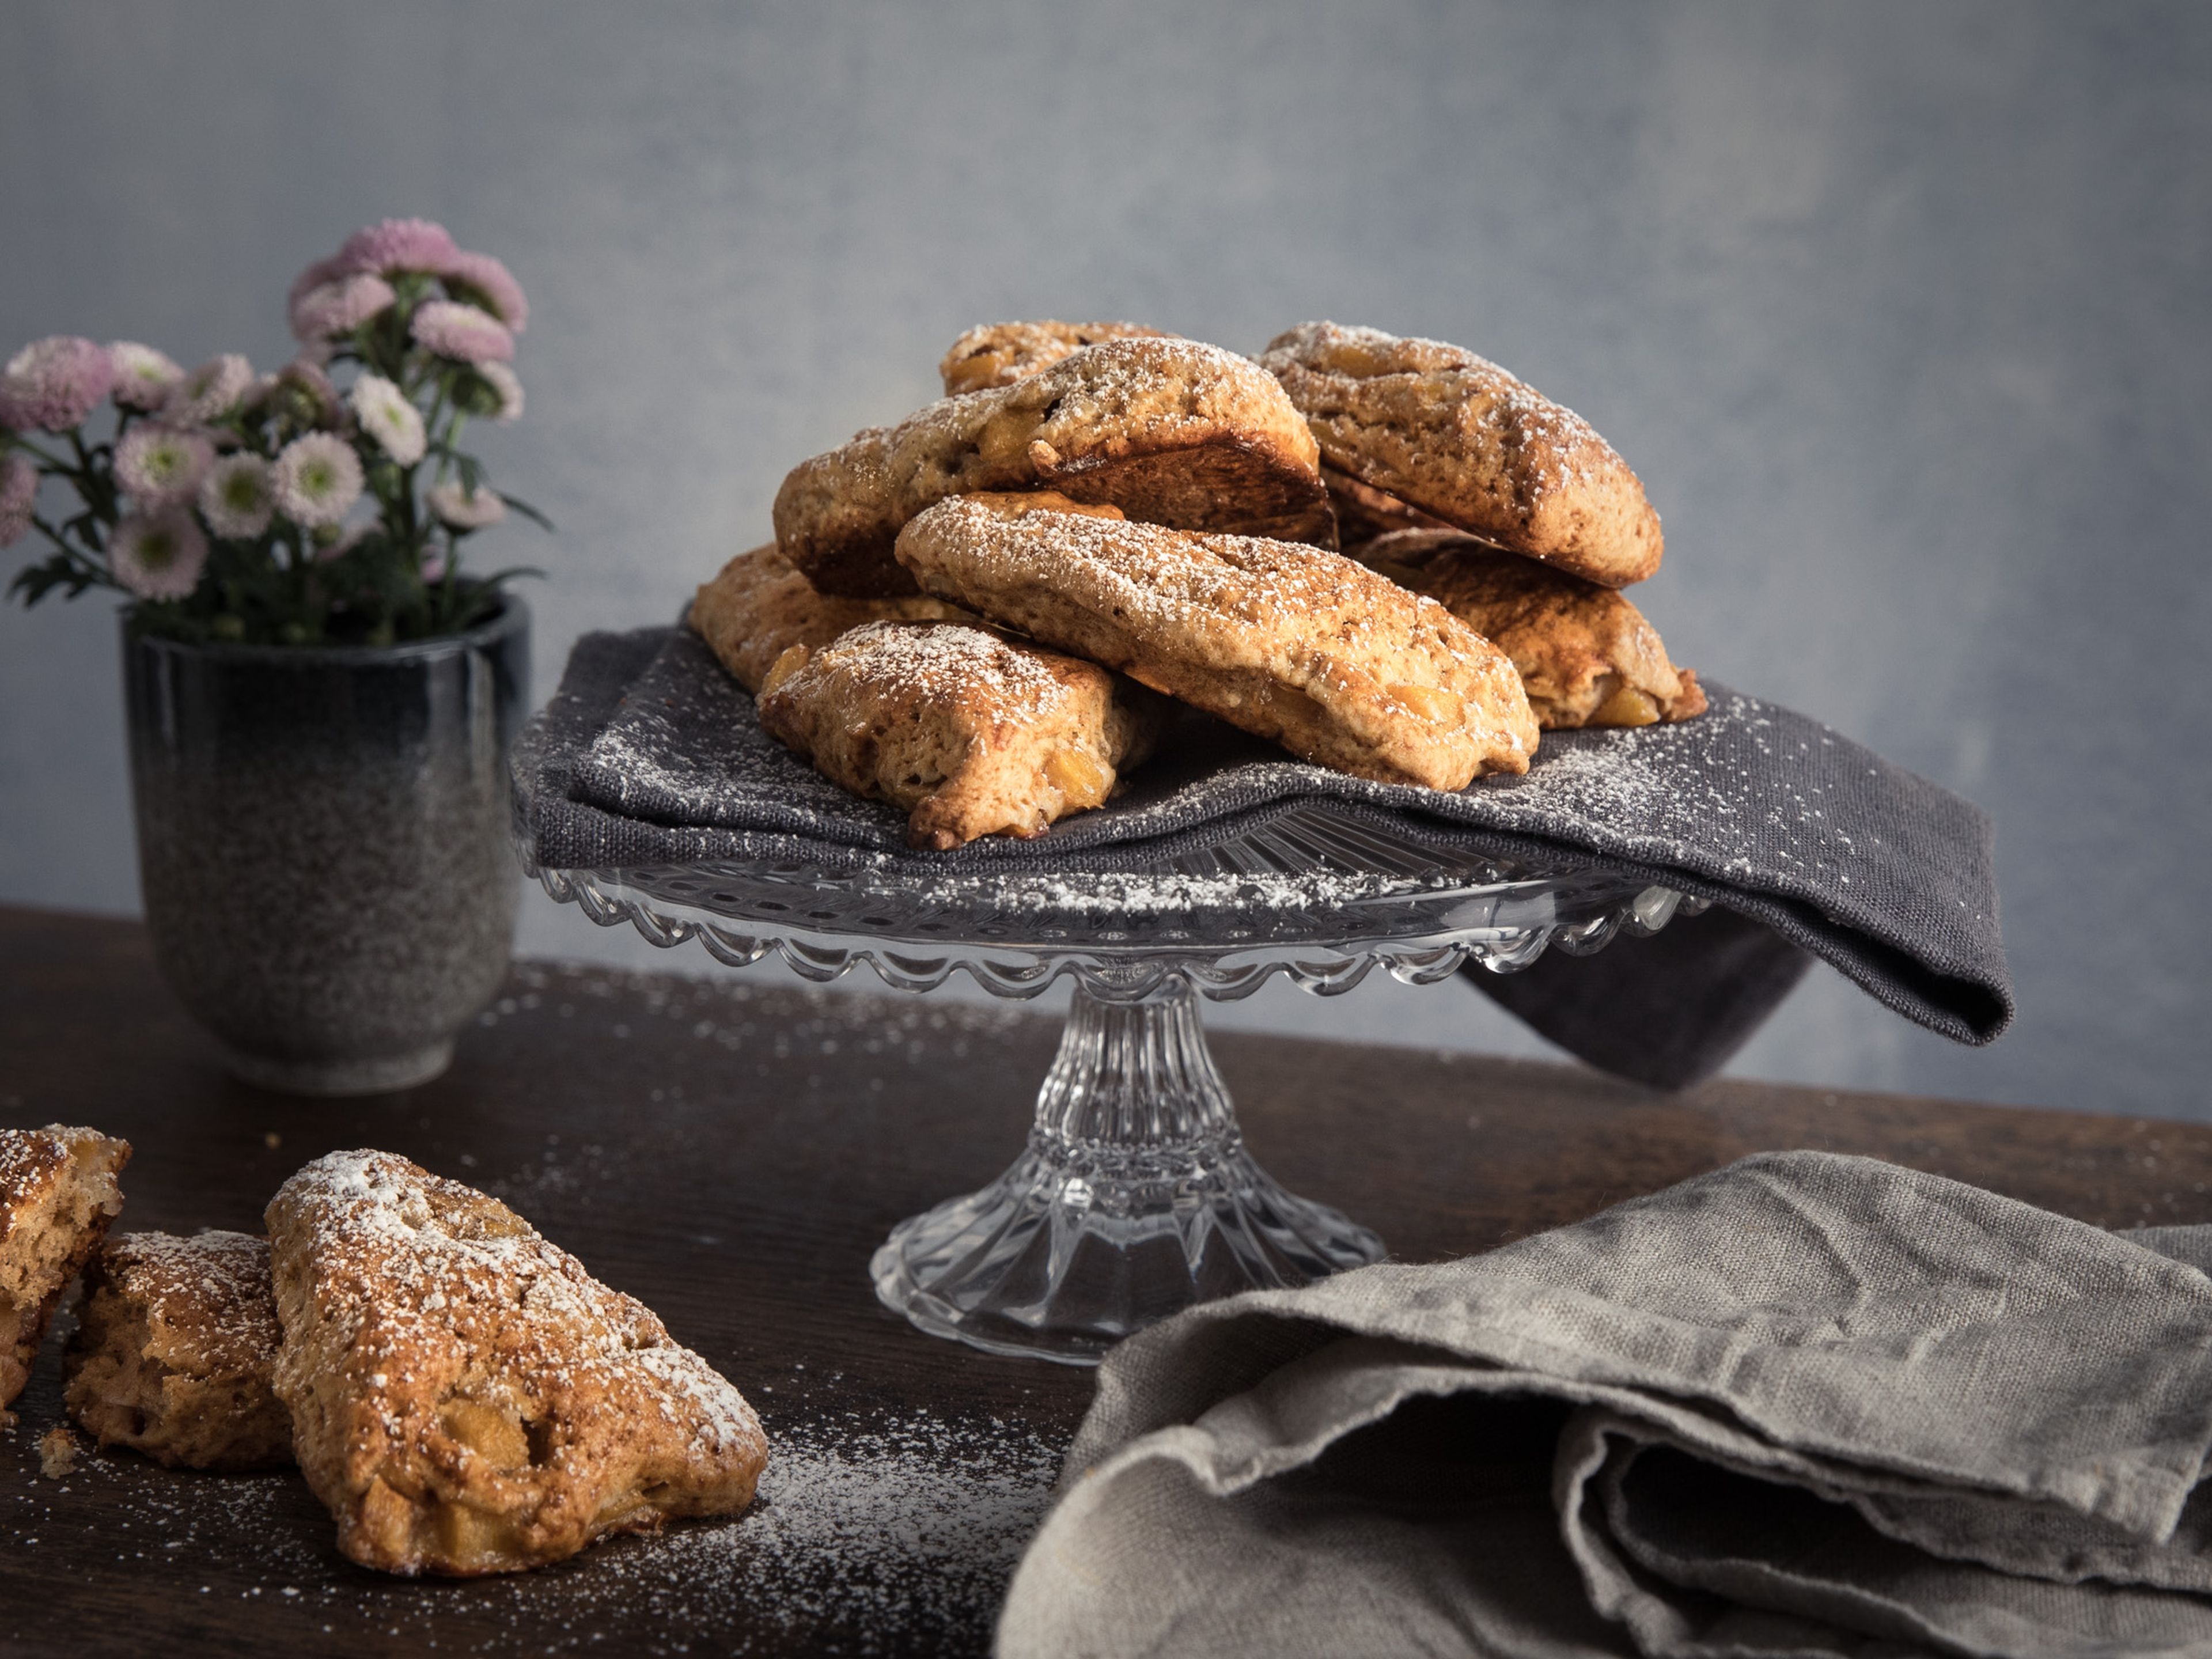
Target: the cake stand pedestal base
pixel 1135 1199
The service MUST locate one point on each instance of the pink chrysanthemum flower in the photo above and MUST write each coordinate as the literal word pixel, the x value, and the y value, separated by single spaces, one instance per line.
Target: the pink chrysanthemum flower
pixel 19 490
pixel 317 479
pixel 453 330
pixel 339 307
pixel 465 511
pixel 209 392
pixel 484 281
pixel 143 375
pixel 398 244
pixel 54 383
pixel 158 556
pixel 386 416
pixel 159 465
pixel 237 498
pixel 314 400
pixel 314 277
pixel 503 381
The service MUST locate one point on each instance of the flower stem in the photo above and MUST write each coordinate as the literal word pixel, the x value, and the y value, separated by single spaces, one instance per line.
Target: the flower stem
pixel 18 440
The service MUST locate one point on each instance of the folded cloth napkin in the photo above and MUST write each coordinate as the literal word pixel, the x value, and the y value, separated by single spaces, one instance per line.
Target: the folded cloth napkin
pixel 650 754
pixel 1806 1405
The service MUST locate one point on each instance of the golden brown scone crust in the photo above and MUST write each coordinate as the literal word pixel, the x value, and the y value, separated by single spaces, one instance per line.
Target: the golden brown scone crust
pixel 1586 656
pixel 466 1399
pixel 1171 431
pixel 972 734
pixel 1340 665
pixel 175 1351
pixel 1457 436
pixel 58 1194
pixel 759 607
pixel 999 353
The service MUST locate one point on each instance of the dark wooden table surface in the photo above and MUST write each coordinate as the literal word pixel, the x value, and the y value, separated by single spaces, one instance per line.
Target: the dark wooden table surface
pixel 732 1155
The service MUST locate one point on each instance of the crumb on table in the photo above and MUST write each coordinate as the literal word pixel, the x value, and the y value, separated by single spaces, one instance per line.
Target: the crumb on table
pixel 56 1452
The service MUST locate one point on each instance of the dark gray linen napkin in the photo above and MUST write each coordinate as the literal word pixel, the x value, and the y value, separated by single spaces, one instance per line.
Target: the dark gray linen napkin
pixel 1804 1405
pixel 651 755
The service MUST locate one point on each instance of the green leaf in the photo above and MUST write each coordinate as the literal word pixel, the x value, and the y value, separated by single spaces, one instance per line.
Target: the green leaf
pixel 527 510
pixel 34 582
pixel 508 576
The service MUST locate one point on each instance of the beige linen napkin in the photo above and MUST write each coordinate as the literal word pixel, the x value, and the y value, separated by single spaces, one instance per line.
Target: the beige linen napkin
pixel 1806 1405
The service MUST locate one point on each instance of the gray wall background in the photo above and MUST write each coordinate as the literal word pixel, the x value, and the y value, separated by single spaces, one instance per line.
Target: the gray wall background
pixel 1900 311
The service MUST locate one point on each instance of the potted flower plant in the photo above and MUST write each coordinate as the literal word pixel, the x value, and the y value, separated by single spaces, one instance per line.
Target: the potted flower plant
pixel 320 698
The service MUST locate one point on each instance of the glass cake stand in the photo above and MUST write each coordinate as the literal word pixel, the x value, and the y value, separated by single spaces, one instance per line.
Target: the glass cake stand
pixel 1135 1196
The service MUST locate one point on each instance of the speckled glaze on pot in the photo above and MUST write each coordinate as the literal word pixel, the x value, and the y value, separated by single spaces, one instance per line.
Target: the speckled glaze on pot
pixel 323 842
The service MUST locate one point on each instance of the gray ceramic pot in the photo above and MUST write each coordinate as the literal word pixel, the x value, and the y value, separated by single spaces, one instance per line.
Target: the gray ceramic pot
pixel 324 836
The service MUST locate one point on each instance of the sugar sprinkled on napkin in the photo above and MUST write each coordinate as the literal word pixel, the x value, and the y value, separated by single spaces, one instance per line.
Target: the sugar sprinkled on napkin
pixel 650 754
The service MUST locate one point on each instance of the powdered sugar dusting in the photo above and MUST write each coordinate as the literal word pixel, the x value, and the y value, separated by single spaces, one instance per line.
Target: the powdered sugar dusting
pixel 1559 448
pixel 1384 680
pixel 874 1532
pixel 404 1296
pixel 211 1289
pixel 945 662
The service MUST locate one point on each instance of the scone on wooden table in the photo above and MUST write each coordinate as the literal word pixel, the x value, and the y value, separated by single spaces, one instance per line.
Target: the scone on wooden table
pixel 174 1351
pixel 1457 437
pixel 1586 655
pixel 999 353
pixel 1169 431
pixel 758 607
pixel 466 1399
pixel 1337 664
pixel 969 733
pixel 58 1194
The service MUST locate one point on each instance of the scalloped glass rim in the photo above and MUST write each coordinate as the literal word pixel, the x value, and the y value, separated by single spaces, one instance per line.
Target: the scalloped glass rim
pixel 1315 896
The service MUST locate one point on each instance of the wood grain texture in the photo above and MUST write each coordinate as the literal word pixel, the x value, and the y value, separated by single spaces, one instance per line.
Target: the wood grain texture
pixel 732 1155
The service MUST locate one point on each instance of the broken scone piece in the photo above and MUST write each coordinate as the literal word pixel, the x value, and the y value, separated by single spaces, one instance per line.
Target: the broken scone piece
pixel 1338 664
pixel 971 734
pixel 58 1194
pixel 174 1351
pixel 999 353
pixel 1169 431
pixel 1455 437
pixel 1585 655
pixel 758 607
pixel 466 1399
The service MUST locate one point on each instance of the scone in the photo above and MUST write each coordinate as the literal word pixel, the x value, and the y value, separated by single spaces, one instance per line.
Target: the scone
pixel 1171 431
pixel 1457 437
pixel 466 1399
pixel 173 1354
pixel 1585 655
pixel 1340 665
pixel 970 733
pixel 58 1194
pixel 759 607
pixel 999 353
pixel 1363 512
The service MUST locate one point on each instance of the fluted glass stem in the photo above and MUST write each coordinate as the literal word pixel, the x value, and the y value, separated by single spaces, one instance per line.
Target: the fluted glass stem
pixel 1133 1076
